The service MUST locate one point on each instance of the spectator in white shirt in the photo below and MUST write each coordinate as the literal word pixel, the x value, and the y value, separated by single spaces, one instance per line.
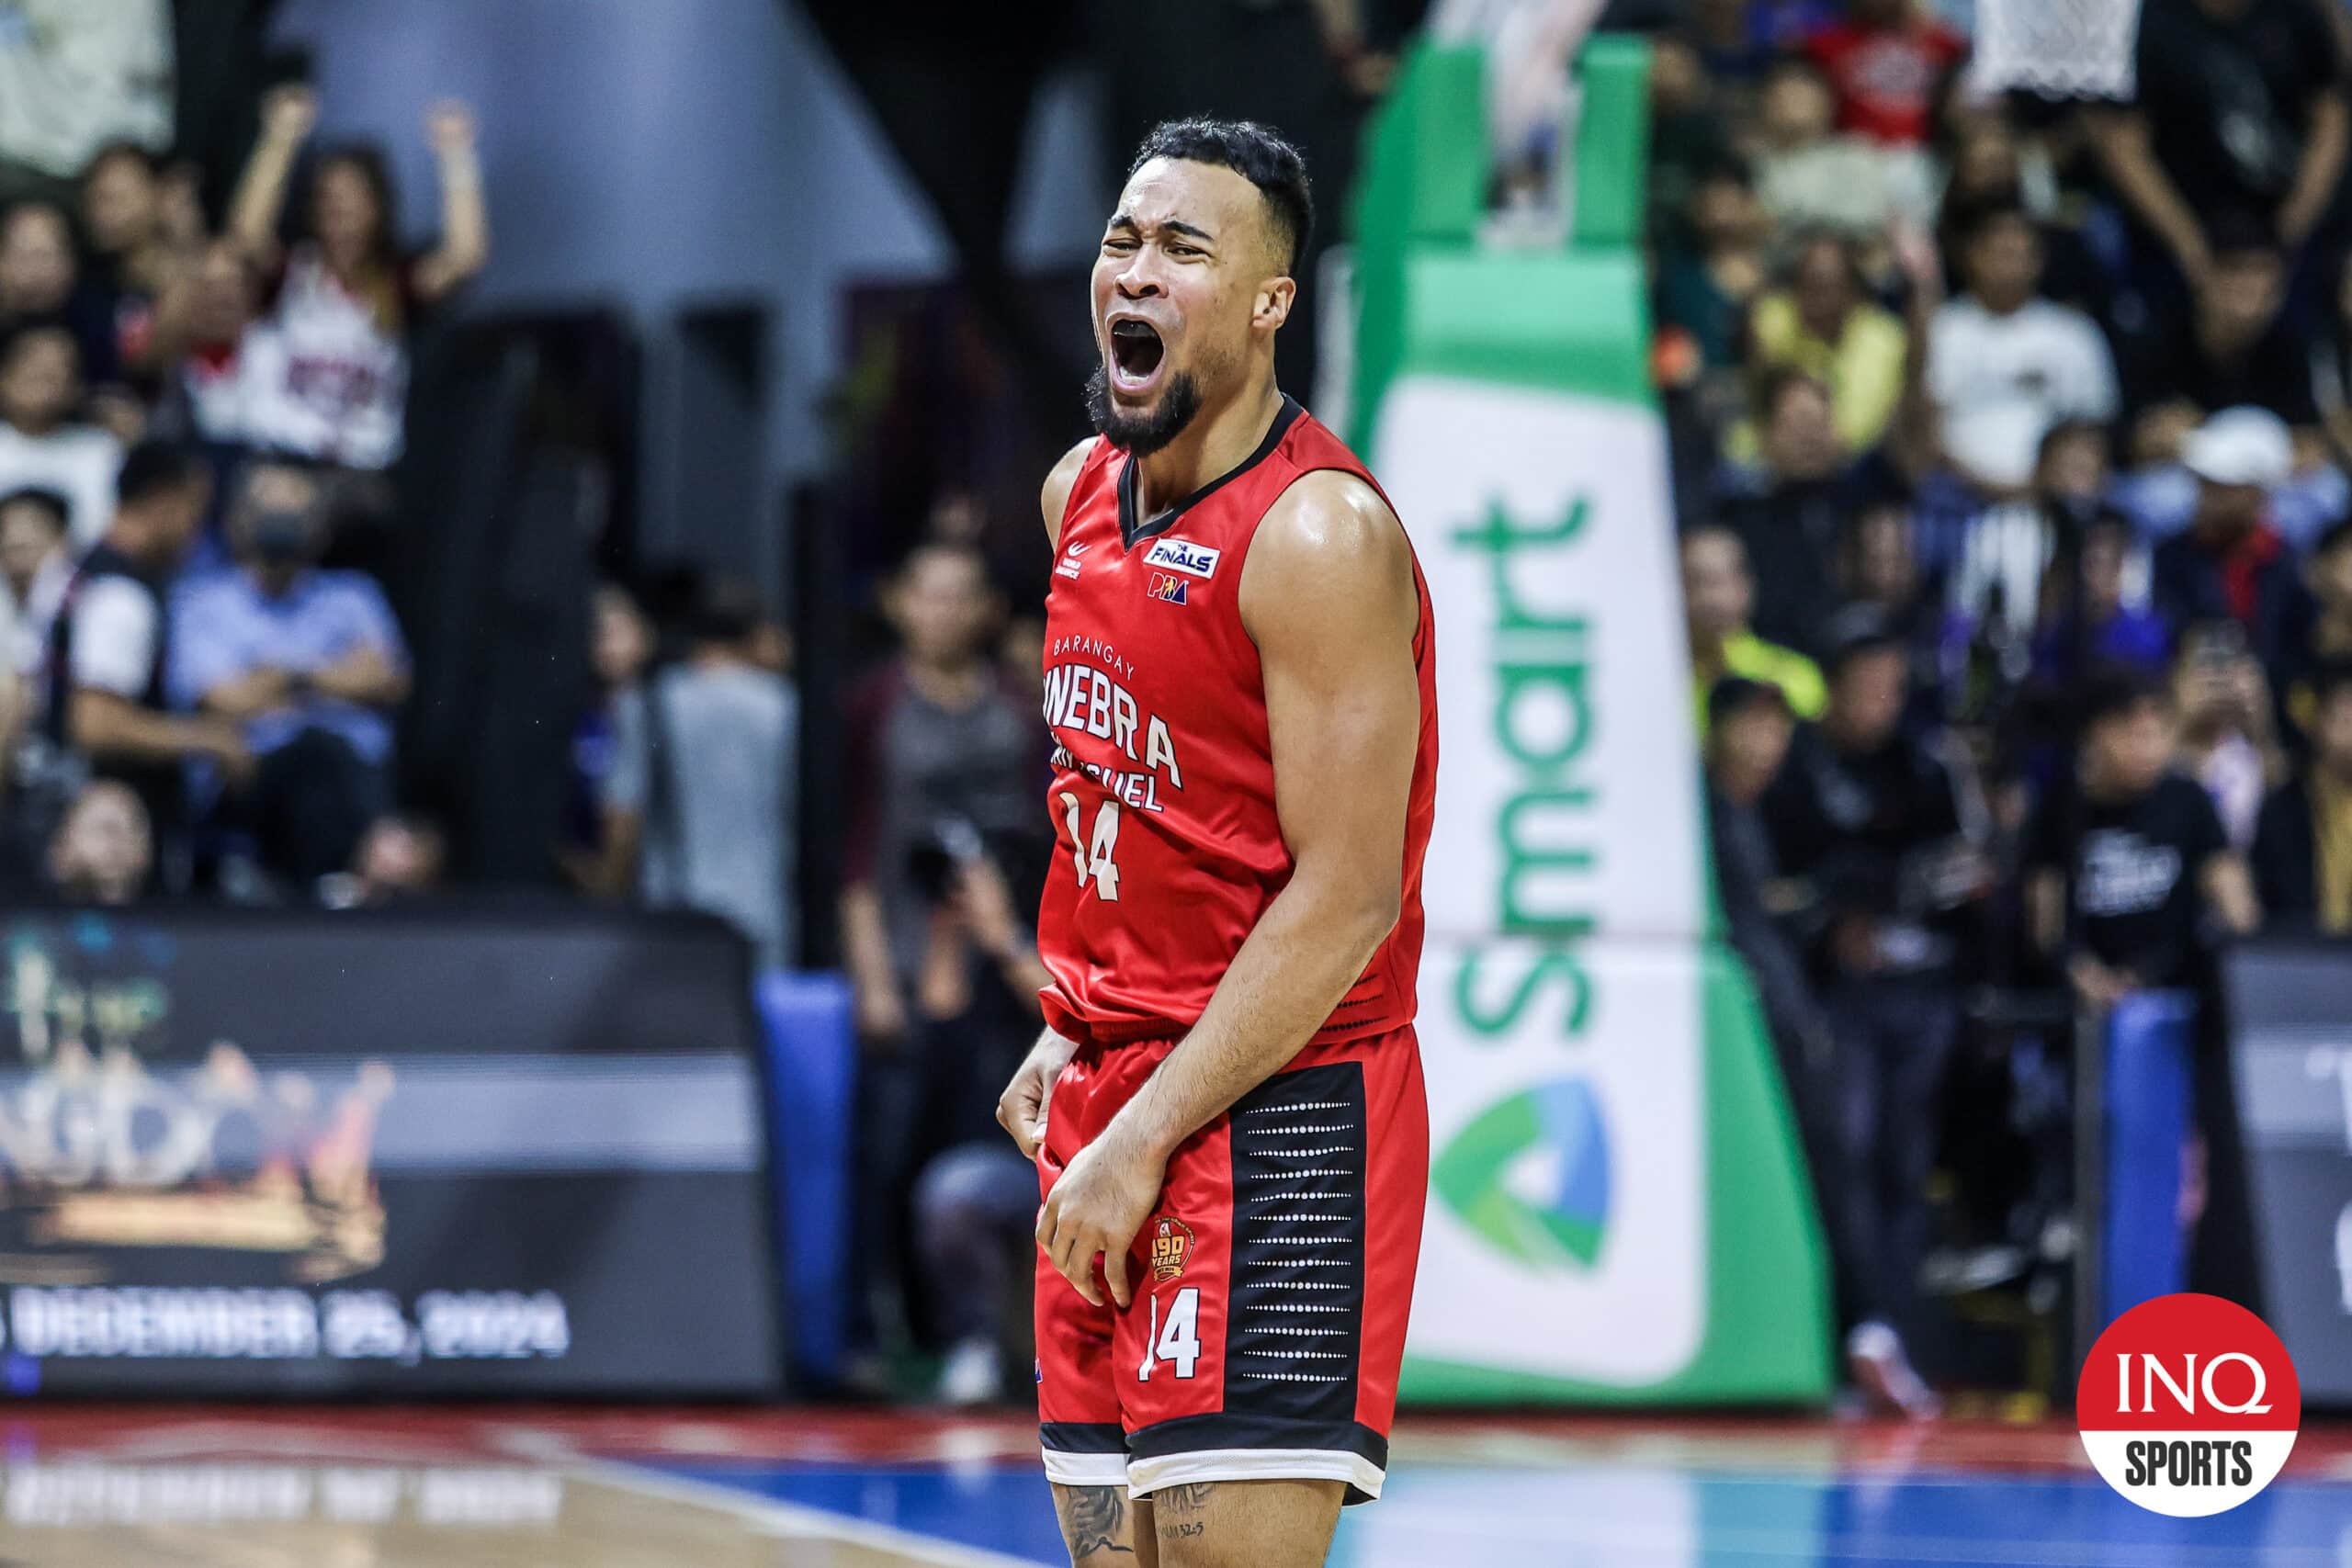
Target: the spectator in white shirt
pixel 41 446
pixel 2005 364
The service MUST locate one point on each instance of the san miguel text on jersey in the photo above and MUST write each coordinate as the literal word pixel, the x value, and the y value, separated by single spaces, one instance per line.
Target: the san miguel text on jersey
pixel 1170 847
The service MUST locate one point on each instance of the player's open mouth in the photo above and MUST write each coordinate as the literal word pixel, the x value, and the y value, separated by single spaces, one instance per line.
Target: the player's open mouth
pixel 1136 355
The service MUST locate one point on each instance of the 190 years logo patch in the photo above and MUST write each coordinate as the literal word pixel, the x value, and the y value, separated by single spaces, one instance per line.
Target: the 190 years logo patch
pixel 1172 1248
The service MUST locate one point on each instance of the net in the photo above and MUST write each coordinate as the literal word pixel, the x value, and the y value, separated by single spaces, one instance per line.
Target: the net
pixel 2066 49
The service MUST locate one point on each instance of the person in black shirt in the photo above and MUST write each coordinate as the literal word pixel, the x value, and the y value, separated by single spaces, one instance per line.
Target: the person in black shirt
pixel 1748 730
pixel 109 647
pixel 2240 111
pixel 1792 527
pixel 1871 819
pixel 2128 867
pixel 2130 883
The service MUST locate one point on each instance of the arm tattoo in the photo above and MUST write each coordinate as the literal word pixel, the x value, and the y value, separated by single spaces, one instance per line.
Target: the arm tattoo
pixel 1094 1520
pixel 1176 1510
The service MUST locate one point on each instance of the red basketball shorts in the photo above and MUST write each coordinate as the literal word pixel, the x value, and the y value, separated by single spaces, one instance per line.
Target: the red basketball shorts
pixel 1272 1280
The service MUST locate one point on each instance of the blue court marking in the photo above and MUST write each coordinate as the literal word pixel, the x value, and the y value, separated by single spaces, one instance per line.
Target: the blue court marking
pixel 1650 1516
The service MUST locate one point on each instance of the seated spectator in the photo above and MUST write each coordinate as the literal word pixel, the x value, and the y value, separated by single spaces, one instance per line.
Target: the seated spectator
pixel 2100 630
pixel 1878 569
pixel 2302 851
pixel 309 664
pixel 145 226
pixel 330 369
pixel 2140 850
pixel 1871 818
pixel 1716 594
pixel 2327 638
pixel 1886 59
pixel 1825 324
pixel 103 853
pixel 1708 279
pixel 2003 551
pixel 2230 563
pixel 39 280
pixel 699 805
pixel 34 570
pixel 1810 177
pixel 40 444
pixel 2160 493
pixel 1792 527
pixel 2006 366
pixel 110 652
pixel 2221 701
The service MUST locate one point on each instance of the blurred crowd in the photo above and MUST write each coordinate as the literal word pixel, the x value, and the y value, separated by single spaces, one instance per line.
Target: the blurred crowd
pixel 198 409
pixel 2010 447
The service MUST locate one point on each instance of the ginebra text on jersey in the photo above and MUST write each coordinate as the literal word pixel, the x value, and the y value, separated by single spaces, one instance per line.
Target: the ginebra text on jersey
pixel 1081 700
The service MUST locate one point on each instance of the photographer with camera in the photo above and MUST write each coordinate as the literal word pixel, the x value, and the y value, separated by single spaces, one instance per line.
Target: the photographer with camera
pixel 943 771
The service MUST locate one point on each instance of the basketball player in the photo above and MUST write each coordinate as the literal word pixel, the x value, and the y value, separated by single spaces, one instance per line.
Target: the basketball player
pixel 1226 1106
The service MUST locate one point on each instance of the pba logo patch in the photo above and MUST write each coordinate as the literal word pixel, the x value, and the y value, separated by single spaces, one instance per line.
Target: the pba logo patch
pixel 1171 1246
pixel 1163 586
pixel 1183 555
pixel 2188 1404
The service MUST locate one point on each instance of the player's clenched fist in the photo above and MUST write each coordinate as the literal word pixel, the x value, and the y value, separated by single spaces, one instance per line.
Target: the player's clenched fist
pixel 1021 1109
pixel 1097 1205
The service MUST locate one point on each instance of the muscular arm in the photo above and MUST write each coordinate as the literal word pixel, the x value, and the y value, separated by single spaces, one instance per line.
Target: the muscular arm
pixel 1327 595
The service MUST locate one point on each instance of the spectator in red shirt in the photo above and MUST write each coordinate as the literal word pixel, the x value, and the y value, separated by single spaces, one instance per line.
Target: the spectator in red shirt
pixel 1886 59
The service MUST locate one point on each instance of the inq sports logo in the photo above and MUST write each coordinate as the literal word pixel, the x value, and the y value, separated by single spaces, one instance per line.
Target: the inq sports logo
pixel 1529 1176
pixel 2188 1404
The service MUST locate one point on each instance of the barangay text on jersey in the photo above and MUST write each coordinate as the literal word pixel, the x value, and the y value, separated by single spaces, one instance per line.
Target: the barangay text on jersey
pixel 1087 699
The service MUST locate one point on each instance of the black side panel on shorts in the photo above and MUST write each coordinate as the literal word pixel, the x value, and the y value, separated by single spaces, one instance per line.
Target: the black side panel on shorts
pixel 1294 1319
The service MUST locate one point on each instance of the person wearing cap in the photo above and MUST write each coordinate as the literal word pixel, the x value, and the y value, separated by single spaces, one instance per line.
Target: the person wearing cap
pixel 1871 819
pixel 2230 563
pixel 1717 594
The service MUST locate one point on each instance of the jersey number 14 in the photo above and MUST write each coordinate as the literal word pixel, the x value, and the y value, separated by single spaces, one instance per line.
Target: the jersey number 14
pixel 1093 854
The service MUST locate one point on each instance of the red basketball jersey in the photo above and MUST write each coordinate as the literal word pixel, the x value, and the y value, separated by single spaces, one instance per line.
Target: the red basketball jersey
pixel 1169 849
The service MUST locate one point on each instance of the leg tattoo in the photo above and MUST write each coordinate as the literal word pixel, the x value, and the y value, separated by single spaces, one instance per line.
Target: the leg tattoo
pixel 1177 1511
pixel 1095 1520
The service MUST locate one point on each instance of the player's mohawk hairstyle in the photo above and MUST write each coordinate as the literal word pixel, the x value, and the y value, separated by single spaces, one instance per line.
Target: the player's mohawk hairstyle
pixel 1253 151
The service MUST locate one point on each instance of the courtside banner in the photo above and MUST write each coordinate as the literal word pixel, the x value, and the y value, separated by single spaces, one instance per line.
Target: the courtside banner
pixel 1617 1214
pixel 315 1154
pixel 2291 1056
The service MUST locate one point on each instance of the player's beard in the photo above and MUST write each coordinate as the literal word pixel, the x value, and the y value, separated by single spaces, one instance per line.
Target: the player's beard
pixel 1140 435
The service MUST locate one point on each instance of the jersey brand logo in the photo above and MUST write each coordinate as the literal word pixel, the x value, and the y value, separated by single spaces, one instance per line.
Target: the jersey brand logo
pixel 1163 586
pixel 1183 555
pixel 1068 567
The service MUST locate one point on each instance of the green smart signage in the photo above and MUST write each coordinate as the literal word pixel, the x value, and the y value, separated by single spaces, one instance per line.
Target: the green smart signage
pixel 1617 1210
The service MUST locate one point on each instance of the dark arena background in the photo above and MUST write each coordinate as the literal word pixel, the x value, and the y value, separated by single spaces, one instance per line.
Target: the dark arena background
pixel 520 751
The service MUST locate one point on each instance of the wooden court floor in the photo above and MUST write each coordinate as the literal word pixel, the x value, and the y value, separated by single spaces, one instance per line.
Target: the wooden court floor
pixel 220 1489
